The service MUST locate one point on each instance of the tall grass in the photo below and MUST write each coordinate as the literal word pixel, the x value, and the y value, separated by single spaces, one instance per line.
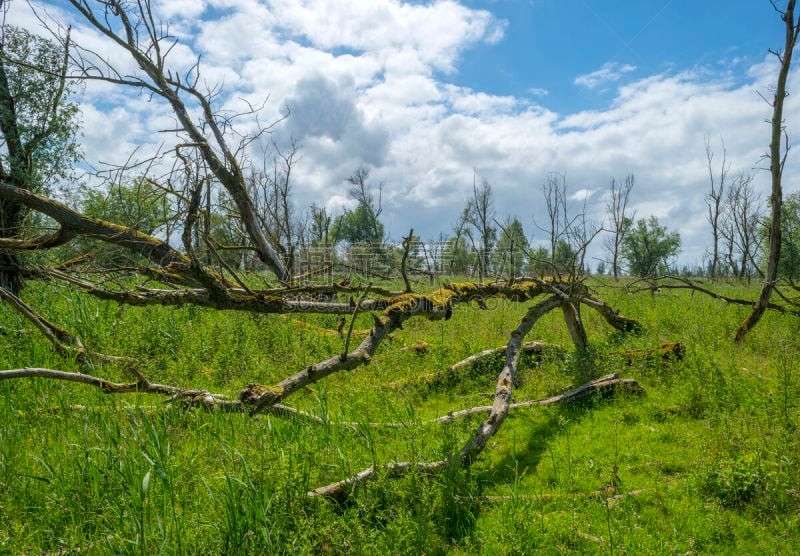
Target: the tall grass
pixel 705 462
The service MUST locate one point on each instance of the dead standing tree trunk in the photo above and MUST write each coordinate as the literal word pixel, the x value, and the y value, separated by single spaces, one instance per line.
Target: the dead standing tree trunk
pixel 620 221
pixel 777 159
pixel 715 204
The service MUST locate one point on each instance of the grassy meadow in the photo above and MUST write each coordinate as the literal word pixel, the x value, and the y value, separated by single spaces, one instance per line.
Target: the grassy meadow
pixel 707 461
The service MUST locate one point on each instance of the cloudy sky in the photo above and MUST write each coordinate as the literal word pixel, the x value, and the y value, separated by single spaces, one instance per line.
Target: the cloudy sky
pixel 428 94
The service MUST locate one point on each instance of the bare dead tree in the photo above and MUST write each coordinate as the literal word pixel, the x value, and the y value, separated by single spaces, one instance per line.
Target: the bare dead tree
pixel 134 28
pixel 568 231
pixel 555 199
pixel 271 189
pixel 715 200
pixel 778 152
pixel 479 214
pixel 620 221
pixel 739 230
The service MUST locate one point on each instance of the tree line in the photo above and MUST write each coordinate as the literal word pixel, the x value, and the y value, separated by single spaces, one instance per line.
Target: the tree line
pixel 216 210
pixel 188 226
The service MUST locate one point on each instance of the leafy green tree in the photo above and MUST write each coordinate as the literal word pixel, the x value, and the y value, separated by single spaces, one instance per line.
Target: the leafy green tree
pixel 565 258
pixel 510 250
pixel 648 246
pixel 789 262
pixel 361 225
pixel 319 226
pixel 139 205
pixel 458 256
pixel 38 125
pixel 539 263
pixel 357 226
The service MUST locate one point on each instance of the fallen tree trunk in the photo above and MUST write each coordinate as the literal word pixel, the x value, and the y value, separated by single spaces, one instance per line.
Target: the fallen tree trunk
pixel 601 386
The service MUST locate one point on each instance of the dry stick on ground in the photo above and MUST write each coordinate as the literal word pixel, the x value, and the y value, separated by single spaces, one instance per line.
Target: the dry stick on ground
pixel 528 347
pixel 489 427
pixel 602 493
pixel 670 282
pixel 201 398
pixel 602 386
pixel 537 348
pixel 107 386
pixel 63 342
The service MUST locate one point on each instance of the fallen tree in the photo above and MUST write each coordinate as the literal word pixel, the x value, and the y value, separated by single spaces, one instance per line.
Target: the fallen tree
pixel 254 398
pixel 148 269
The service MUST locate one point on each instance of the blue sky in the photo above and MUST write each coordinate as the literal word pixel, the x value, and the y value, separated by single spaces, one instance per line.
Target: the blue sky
pixel 547 44
pixel 427 94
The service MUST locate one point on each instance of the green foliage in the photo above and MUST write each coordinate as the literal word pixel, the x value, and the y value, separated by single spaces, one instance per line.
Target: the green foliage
pixel 39 128
pixel 564 258
pixel 736 482
pixel 789 263
pixel 319 225
pixel 357 226
pixel 510 252
pixel 458 256
pixel 648 246
pixel 139 205
pixel 706 462
pixel 539 263
pixel 49 130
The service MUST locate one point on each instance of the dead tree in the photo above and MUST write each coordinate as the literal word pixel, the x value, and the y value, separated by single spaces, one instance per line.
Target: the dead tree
pixel 555 198
pixel 195 272
pixel 133 28
pixel 568 231
pixel 620 221
pixel 739 231
pixel 479 214
pixel 271 189
pixel 715 202
pixel 778 152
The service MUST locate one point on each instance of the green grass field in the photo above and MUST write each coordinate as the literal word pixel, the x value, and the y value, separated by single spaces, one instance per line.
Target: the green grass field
pixel 706 461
